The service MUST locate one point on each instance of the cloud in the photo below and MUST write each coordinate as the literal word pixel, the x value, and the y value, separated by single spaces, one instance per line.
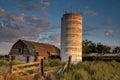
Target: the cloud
pixel 11 31
pixel 34 8
pixel 89 34
pixel 55 38
pixel 32 18
pixel 46 14
pixel 37 5
pixel 45 2
pixel 90 28
pixel 111 32
pixel 42 2
pixel 50 38
pixel 91 15
pixel 109 22
pixel 87 7
pixel 15 17
pixel 90 12
pixel 1 12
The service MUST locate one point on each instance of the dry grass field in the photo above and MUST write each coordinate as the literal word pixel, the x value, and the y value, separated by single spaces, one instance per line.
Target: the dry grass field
pixel 88 70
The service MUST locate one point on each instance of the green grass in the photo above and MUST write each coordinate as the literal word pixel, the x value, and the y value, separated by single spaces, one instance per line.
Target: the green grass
pixel 96 70
pixel 52 63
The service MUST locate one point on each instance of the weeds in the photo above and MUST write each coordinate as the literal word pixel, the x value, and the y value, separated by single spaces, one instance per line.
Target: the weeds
pixel 96 70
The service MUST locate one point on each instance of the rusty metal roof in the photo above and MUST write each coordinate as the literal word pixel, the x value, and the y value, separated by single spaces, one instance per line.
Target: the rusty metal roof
pixel 41 48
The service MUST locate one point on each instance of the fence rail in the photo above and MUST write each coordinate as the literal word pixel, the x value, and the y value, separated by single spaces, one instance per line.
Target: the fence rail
pixel 25 67
pixel 26 64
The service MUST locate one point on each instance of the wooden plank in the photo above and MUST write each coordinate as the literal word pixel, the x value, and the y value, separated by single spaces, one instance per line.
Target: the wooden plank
pixel 26 64
pixel 63 68
pixel 26 69
pixel 15 68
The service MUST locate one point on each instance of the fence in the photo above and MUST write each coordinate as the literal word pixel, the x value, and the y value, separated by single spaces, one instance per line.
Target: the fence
pixel 24 68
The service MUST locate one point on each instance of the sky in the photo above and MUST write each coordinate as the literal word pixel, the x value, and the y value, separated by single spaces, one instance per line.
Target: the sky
pixel 40 20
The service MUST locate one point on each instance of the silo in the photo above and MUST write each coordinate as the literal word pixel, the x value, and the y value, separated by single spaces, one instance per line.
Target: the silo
pixel 71 37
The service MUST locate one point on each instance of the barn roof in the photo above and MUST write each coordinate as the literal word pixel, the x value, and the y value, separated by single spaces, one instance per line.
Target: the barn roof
pixel 41 48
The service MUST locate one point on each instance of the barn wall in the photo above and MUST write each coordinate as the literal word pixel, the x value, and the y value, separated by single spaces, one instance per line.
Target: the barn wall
pixel 15 49
pixel 22 58
pixel 42 57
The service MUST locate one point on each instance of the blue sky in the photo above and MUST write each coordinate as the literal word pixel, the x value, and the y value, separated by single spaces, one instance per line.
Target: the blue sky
pixel 40 20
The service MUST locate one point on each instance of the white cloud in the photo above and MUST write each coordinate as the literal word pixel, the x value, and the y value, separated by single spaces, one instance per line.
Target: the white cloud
pixel 111 32
pixel 15 17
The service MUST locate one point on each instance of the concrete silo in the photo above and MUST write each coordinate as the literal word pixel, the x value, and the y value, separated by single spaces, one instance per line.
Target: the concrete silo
pixel 71 37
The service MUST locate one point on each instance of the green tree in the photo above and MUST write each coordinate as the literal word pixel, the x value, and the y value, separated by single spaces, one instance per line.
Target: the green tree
pixel 106 49
pixel 91 47
pixel 85 47
pixel 99 48
pixel 116 50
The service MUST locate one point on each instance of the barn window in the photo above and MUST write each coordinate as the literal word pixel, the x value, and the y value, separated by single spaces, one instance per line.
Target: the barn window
pixel 20 50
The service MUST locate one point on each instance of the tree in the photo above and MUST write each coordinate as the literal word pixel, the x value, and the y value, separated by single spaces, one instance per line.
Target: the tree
pixel 116 50
pixel 106 49
pixel 99 48
pixel 103 48
pixel 91 47
pixel 85 47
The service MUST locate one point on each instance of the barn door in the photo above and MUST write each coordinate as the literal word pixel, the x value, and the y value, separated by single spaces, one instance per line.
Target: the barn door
pixel 12 58
pixel 27 59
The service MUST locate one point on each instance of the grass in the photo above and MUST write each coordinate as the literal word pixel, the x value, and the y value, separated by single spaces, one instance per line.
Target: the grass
pixel 96 70
pixel 5 68
pixel 88 70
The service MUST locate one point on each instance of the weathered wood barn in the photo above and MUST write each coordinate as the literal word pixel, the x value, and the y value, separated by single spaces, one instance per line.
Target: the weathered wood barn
pixel 28 51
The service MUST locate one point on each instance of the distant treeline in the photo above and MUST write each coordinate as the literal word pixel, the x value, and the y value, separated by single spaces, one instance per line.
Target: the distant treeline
pixel 91 47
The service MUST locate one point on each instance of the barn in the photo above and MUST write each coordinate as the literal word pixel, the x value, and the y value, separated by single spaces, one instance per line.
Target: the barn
pixel 29 51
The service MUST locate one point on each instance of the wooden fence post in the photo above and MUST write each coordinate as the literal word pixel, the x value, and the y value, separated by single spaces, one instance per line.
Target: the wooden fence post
pixel 69 61
pixel 42 71
pixel 11 68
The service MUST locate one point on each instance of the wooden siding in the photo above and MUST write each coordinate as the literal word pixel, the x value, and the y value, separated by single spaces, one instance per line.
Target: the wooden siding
pixel 15 49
